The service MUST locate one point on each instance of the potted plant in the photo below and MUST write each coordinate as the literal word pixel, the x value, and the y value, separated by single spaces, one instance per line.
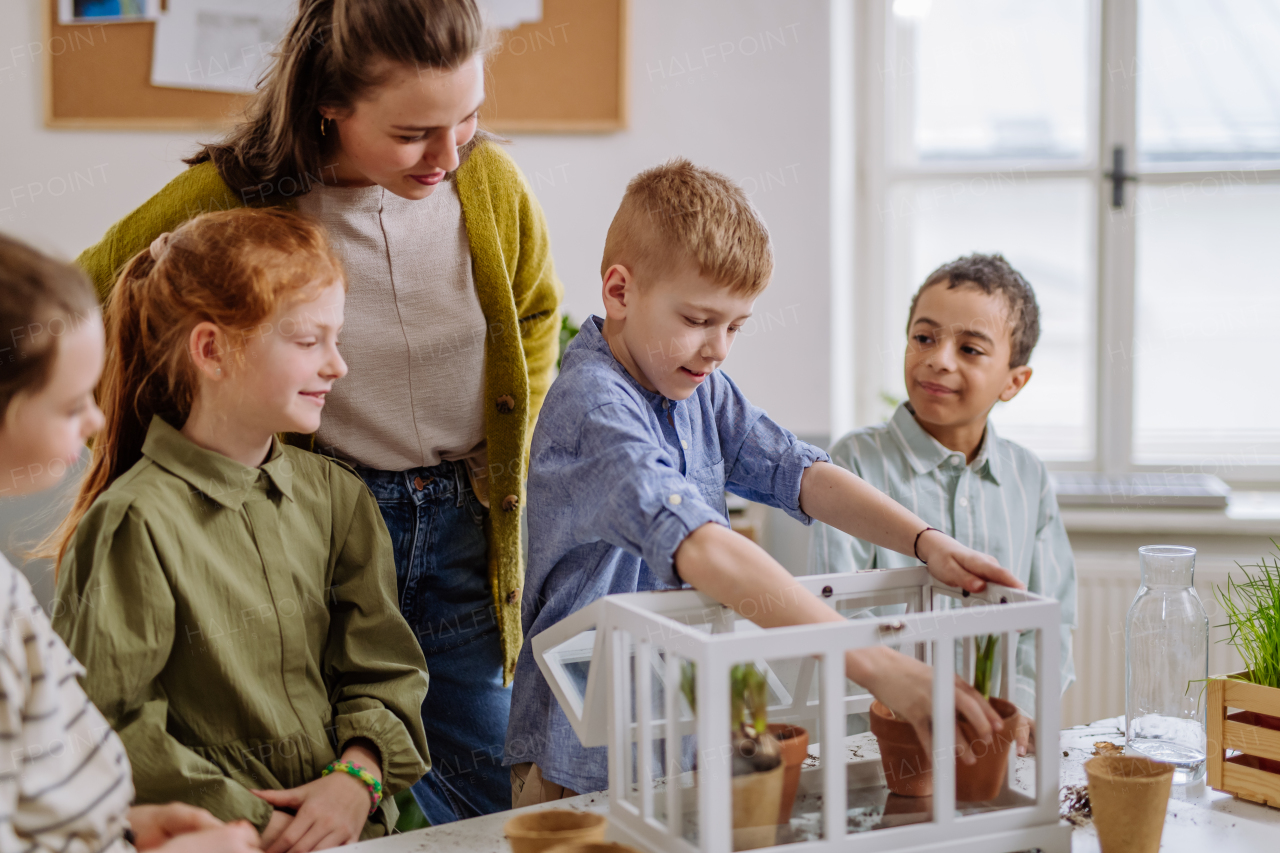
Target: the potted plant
pixel 908 769
pixel 982 780
pixel 1252 607
pixel 758 770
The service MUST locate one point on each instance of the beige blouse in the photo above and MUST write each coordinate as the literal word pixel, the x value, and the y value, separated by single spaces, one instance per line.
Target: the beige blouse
pixel 414 336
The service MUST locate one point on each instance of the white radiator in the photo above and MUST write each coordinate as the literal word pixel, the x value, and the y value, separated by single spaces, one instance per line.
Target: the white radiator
pixel 1107 584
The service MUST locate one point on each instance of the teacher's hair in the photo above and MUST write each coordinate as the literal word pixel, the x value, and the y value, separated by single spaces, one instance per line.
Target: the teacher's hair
pixel 335 52
pixel 233 268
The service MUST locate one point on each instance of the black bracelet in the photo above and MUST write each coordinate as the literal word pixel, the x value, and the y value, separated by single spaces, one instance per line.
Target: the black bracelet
pixel 915 548
pixel 129 837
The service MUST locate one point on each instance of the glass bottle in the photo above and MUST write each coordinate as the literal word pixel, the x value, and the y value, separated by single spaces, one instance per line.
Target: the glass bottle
pixel 1166 643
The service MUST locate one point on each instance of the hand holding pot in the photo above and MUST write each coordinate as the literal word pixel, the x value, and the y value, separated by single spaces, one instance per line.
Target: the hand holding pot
pixel 1024 734
pixel 906 685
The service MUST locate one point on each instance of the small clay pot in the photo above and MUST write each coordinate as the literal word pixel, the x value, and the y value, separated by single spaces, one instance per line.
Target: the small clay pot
pixel 1129 796
pixel 535 832
pixel 908 770
pixel 984 779
pixel 794 741
pixel 756 797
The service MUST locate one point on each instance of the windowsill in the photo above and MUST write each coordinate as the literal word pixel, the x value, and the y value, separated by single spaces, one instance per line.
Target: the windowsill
pixel 1247 514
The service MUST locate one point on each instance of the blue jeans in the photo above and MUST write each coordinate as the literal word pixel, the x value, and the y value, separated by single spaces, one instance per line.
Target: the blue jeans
pixel 442 575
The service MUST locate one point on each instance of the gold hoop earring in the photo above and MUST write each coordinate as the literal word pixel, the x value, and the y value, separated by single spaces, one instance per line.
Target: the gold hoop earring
pixel 322 125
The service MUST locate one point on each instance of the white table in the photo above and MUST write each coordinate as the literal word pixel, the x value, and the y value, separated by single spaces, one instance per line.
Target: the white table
pixel 1198 821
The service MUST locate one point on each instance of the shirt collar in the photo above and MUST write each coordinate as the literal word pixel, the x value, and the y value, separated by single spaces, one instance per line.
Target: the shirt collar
pixel 592 336
pixel 925 453
pixel 216 476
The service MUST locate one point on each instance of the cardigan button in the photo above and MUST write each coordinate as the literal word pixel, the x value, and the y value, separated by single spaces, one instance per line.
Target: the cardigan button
pixel 506 403
pixel 513 596
pixel 510 502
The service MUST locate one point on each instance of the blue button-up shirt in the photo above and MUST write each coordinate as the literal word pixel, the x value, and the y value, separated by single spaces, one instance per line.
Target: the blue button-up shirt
pixel 618 477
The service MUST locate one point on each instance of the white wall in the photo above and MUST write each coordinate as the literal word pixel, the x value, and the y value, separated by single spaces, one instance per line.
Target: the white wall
pixel 740 86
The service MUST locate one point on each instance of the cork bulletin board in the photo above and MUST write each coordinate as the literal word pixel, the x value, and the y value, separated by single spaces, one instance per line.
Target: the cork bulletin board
pixel 563 74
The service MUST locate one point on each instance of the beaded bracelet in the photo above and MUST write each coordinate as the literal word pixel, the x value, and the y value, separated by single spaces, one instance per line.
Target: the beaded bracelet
pixel 353 769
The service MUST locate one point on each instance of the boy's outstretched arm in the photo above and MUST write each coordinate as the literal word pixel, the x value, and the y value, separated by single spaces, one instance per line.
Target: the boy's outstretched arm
pixel 843 500
pixel 739 573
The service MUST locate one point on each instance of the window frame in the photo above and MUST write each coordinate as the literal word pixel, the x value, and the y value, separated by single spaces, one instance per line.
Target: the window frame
pixel 1112 104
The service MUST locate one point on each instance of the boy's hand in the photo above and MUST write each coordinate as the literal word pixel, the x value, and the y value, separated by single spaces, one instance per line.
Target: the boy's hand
pixel 956 565
pixel 906 686
pixel 1025 734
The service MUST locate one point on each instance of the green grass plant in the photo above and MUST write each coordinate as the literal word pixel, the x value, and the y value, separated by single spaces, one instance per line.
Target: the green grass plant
pixel 1252 607
pixel 984 666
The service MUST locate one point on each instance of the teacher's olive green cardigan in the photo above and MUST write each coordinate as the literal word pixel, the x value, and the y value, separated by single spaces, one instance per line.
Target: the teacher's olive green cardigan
pixel 519 294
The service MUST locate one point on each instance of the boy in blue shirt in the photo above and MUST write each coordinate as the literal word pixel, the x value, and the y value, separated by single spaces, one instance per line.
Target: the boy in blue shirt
pixel 970 333
pixel 640 436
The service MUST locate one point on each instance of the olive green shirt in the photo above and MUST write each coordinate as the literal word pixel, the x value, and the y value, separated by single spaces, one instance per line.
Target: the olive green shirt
pixel 239 626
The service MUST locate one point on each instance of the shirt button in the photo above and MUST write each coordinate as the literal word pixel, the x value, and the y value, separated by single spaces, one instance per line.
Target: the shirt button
pixel 666 403
pixel 684 444
pixel 962 501
pixel 675 500
pixel 954 460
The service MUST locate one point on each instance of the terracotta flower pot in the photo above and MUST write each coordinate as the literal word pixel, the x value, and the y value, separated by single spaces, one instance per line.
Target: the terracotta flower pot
pixel 908 770
pixel 535 832
pixel 756 797
pixel 983 780
pixel 795 749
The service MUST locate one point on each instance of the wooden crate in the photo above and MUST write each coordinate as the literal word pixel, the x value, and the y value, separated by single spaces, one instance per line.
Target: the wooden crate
pixel 1255 774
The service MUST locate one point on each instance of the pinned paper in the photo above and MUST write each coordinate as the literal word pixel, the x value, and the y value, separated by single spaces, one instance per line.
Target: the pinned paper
pixel 220 45
pixel 509 14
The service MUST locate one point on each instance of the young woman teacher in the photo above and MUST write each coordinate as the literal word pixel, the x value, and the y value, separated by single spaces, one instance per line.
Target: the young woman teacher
pixel 367 121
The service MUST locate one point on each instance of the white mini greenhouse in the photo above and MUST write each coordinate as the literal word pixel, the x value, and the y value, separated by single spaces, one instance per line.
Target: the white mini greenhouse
pixel 611 665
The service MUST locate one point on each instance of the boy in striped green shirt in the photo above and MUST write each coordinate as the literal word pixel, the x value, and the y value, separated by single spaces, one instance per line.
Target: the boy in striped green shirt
pixel 971 329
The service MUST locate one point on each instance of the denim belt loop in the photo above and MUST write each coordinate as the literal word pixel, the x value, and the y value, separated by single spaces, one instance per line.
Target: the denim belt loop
pixel 460 478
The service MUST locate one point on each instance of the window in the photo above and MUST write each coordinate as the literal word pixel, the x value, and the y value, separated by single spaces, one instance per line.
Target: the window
pixel 1001 125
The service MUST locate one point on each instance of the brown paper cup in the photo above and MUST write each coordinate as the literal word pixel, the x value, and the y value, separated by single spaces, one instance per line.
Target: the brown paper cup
pixel 756 801
pixel 1129 795
pixel 536 832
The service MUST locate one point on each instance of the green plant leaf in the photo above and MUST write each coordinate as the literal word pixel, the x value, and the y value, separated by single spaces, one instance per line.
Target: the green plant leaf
pixel 1252 607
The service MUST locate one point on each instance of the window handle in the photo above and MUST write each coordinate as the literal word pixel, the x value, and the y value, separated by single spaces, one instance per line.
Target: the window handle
pixel 1118 176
